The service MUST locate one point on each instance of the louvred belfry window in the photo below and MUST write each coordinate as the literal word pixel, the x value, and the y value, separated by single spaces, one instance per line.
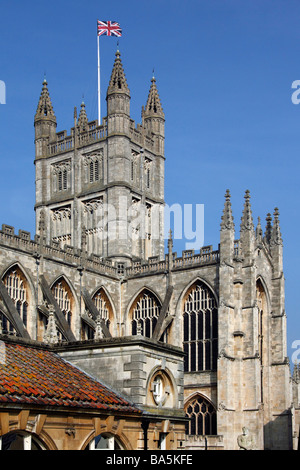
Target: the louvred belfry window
pixel 200 329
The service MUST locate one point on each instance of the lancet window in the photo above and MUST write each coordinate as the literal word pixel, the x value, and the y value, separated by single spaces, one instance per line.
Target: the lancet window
pixel 17 287
pixel 202 417
pixel 103 306
pixel 145 313
pixel 64 299
pixel 200 329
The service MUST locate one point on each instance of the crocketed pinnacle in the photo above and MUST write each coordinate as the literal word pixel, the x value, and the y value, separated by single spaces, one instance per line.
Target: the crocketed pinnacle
pixel 247 219
pixel 153 106
pixel 44 108
pixel 82 120
pixel 259 232
pixel 268 230
pixel 227 218
pixel 118 81
pixel 276 238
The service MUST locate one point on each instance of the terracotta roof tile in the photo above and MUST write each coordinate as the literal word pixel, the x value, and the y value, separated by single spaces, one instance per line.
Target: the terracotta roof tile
pixel 41 377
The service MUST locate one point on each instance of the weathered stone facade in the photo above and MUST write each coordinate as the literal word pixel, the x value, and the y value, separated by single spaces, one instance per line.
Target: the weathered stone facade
pixel 201 335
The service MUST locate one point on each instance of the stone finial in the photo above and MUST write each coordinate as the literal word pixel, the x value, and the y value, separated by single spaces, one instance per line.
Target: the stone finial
pixel 82 120
pixel 259 232
pixel 51 336
pixel 268 230
pixel 227 218
pixel 276 238
pixel 44 108
pixel 247 219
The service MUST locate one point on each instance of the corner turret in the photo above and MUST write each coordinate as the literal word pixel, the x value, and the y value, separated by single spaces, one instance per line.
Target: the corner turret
pixel 153 117
pixel 44 122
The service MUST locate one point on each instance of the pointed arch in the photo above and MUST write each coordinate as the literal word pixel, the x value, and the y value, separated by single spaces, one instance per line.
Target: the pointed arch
pixel 202 416
pixel 65 297
pixel 143 312
pixel 199 311
pixel 104 306
pixel 21 290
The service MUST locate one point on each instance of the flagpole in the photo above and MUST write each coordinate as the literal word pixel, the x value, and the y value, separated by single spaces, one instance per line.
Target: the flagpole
pixel 99 98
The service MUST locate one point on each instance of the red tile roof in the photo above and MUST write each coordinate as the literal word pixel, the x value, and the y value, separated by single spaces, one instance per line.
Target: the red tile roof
pixel 38 376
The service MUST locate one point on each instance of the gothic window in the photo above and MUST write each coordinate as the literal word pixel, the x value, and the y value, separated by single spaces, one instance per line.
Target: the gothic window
pixel 147 168
pixel 93 167
pixel 103 306
pixel 61 172
pixel 16 284
pixel 202 417
pixel 62 224
pixel 6 326
pixel 200 329
pixel 64 299
pixel 144 315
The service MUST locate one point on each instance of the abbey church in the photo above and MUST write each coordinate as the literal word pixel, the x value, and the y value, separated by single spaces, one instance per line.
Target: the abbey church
pixel 108 342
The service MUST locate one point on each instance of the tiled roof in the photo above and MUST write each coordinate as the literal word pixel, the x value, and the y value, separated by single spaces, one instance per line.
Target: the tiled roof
pixel 37 376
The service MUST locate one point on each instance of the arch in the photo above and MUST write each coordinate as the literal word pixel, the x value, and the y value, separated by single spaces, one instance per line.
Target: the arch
pixel 22 292
pixel 121 437
pixel 66 299
pixel 260 279
pixel 199 311
pixel 21 440
pixel 170 388
pixel 202 416
pixel 20 266
pixel 143 312
pixel 189 285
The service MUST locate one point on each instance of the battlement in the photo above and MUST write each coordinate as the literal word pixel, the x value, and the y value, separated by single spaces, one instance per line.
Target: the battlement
pixel 77 257
pixel 94 133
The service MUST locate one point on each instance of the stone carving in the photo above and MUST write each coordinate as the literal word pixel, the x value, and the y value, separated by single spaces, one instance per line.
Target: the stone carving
pixel 246 441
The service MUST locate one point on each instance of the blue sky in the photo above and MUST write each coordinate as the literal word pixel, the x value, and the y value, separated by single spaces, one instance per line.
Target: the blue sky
pixel 224 71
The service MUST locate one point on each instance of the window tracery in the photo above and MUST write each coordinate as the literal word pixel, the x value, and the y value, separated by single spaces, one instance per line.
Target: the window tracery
pixel 200 329
pixel 16 285
pixel 145 313
pixel 202 417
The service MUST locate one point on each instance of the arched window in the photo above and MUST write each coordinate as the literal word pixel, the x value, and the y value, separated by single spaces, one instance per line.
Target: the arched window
pixel 144 314
pixel 262 308
pixel 203 417
pixel 64 299
pixel 103 306
pixel 200 329
pixel 105 442
pixel 17 286
pixel 20 441
pixel 6 326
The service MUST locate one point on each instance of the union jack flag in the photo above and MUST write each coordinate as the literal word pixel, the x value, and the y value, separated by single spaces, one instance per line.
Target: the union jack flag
pixel 108 28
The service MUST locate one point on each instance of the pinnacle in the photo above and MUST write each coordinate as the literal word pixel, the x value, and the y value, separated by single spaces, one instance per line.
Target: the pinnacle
pixel 227 218
pixel 44 108
pixel 247 219
pixel 82 120
pixel 276 238
pixel 118 81
pixel 153 106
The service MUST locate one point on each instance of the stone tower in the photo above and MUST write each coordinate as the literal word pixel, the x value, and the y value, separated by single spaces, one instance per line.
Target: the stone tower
pixel 101 188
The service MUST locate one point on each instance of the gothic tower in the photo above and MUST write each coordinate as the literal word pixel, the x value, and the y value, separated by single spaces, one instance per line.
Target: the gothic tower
pixel 101 188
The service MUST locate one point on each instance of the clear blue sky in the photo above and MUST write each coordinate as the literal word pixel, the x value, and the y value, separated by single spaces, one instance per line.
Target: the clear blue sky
pixel 224 71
